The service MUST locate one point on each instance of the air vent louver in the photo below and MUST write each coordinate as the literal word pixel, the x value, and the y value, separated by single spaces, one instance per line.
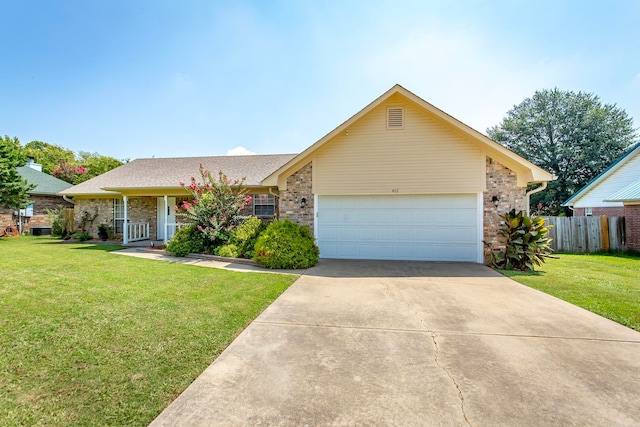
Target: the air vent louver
pixel 395 118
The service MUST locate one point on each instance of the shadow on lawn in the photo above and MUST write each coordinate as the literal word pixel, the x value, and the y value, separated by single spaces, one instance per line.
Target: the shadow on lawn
pixel 85 246
pixel 106 247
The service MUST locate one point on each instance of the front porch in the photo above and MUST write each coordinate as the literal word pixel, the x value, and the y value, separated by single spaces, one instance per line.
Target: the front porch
pixel 136 232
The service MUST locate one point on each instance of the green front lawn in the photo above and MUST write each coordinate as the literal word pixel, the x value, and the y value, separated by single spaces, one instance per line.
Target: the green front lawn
pixel 92 338
pixel 608 285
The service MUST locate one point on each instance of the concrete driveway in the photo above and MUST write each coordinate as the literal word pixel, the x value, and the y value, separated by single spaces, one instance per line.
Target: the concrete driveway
pixel 410 343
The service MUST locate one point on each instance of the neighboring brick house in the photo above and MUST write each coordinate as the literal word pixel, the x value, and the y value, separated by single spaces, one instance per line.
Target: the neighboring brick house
pixel 592 198
pixel 630 198
pixel 614 192
pixel 400 179
pixel 42 197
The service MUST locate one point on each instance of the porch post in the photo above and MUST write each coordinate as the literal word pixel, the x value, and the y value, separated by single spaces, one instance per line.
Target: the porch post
pixel 166 218
pixel 125 226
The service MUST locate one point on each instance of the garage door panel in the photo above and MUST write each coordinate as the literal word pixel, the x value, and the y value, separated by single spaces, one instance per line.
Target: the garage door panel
pixel 411 227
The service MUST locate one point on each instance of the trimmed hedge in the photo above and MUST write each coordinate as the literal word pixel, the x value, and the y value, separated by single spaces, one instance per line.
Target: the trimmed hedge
pixel 285 244
pixel 188 240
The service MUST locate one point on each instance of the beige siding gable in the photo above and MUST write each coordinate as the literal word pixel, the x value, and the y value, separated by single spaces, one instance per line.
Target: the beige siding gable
pixel 426 156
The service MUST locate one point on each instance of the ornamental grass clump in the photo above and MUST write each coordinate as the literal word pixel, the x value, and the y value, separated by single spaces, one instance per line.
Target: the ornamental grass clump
pixel 285 244
pixel 215 206
pixel 527 242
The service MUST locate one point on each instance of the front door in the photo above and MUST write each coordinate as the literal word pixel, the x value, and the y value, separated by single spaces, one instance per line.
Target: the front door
pixel 166 217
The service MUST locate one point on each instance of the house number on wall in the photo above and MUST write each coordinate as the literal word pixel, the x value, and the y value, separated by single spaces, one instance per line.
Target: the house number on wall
pixel 395 190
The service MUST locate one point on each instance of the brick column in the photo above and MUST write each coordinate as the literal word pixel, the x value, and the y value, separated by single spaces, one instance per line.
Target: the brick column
pixel 632 226
pixel 299 186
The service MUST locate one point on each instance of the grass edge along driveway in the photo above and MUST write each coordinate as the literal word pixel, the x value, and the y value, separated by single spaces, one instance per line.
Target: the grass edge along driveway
pixel 605 284
pixel 89 338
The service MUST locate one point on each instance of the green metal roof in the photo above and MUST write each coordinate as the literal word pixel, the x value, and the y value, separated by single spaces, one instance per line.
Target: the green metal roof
pixel 612 167
pixel 44 184
pixel 630 193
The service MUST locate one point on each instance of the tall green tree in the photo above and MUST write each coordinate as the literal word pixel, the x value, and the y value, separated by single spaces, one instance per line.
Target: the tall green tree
pixel 13 189
pixel 97 164
pixel 572 135
pixel 67 166
pixel 49 155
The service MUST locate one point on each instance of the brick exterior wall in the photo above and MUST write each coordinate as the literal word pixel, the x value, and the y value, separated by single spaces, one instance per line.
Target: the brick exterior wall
pixel 632 225
pixel 104 208
pixel 145 209
pixel 39 218
pixel 502 183
pixel 299 185
pixel 141 209
pixel 612 211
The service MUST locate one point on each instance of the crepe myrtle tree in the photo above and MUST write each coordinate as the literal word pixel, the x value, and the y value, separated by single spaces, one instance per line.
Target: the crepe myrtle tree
pixel 215 205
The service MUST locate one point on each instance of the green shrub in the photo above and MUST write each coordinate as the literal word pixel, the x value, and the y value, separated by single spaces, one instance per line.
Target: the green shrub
pixel 56 221
pixel 286 245
pixel 188 240
pixel 246 235
pixel 81 235
pixel 242 239
pixel 228 251
pixel 526 241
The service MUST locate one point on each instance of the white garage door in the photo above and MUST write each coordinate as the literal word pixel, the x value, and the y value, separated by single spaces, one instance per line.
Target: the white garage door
pixel 398 227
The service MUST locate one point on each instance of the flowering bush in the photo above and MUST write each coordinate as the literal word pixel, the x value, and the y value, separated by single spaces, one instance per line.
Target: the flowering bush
pixel 72 174
pixel 216 205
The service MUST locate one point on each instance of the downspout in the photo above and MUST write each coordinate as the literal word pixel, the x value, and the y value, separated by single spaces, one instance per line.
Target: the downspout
pixel 272 193
pixel 534 191
pixel 67 199
pixel 277 196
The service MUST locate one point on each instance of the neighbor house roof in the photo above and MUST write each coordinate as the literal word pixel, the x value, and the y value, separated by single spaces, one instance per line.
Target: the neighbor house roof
pixel 167 173
pixel 45 185
pixel 630 193
pixel 533 173
pixel 603 176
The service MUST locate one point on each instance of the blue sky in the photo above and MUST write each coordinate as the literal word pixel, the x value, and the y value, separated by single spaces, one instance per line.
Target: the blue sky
pixel 133 78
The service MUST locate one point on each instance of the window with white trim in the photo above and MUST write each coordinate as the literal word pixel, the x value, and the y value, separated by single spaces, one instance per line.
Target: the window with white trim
pixel 588 211
pixel 264 205
pixel 118 215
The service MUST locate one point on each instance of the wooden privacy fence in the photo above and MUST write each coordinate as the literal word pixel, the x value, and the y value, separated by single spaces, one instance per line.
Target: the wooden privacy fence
pixel 586 234
pixel 68 222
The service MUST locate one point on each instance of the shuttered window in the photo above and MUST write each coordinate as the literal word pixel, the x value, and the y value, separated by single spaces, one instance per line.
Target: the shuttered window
pixel 395 118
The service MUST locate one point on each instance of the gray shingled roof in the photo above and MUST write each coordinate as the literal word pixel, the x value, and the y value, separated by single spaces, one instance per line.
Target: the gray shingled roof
pixel 45 185
pixel 168 173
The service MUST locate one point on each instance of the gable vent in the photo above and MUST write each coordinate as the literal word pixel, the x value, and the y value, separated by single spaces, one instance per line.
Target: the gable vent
pixel 395 118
